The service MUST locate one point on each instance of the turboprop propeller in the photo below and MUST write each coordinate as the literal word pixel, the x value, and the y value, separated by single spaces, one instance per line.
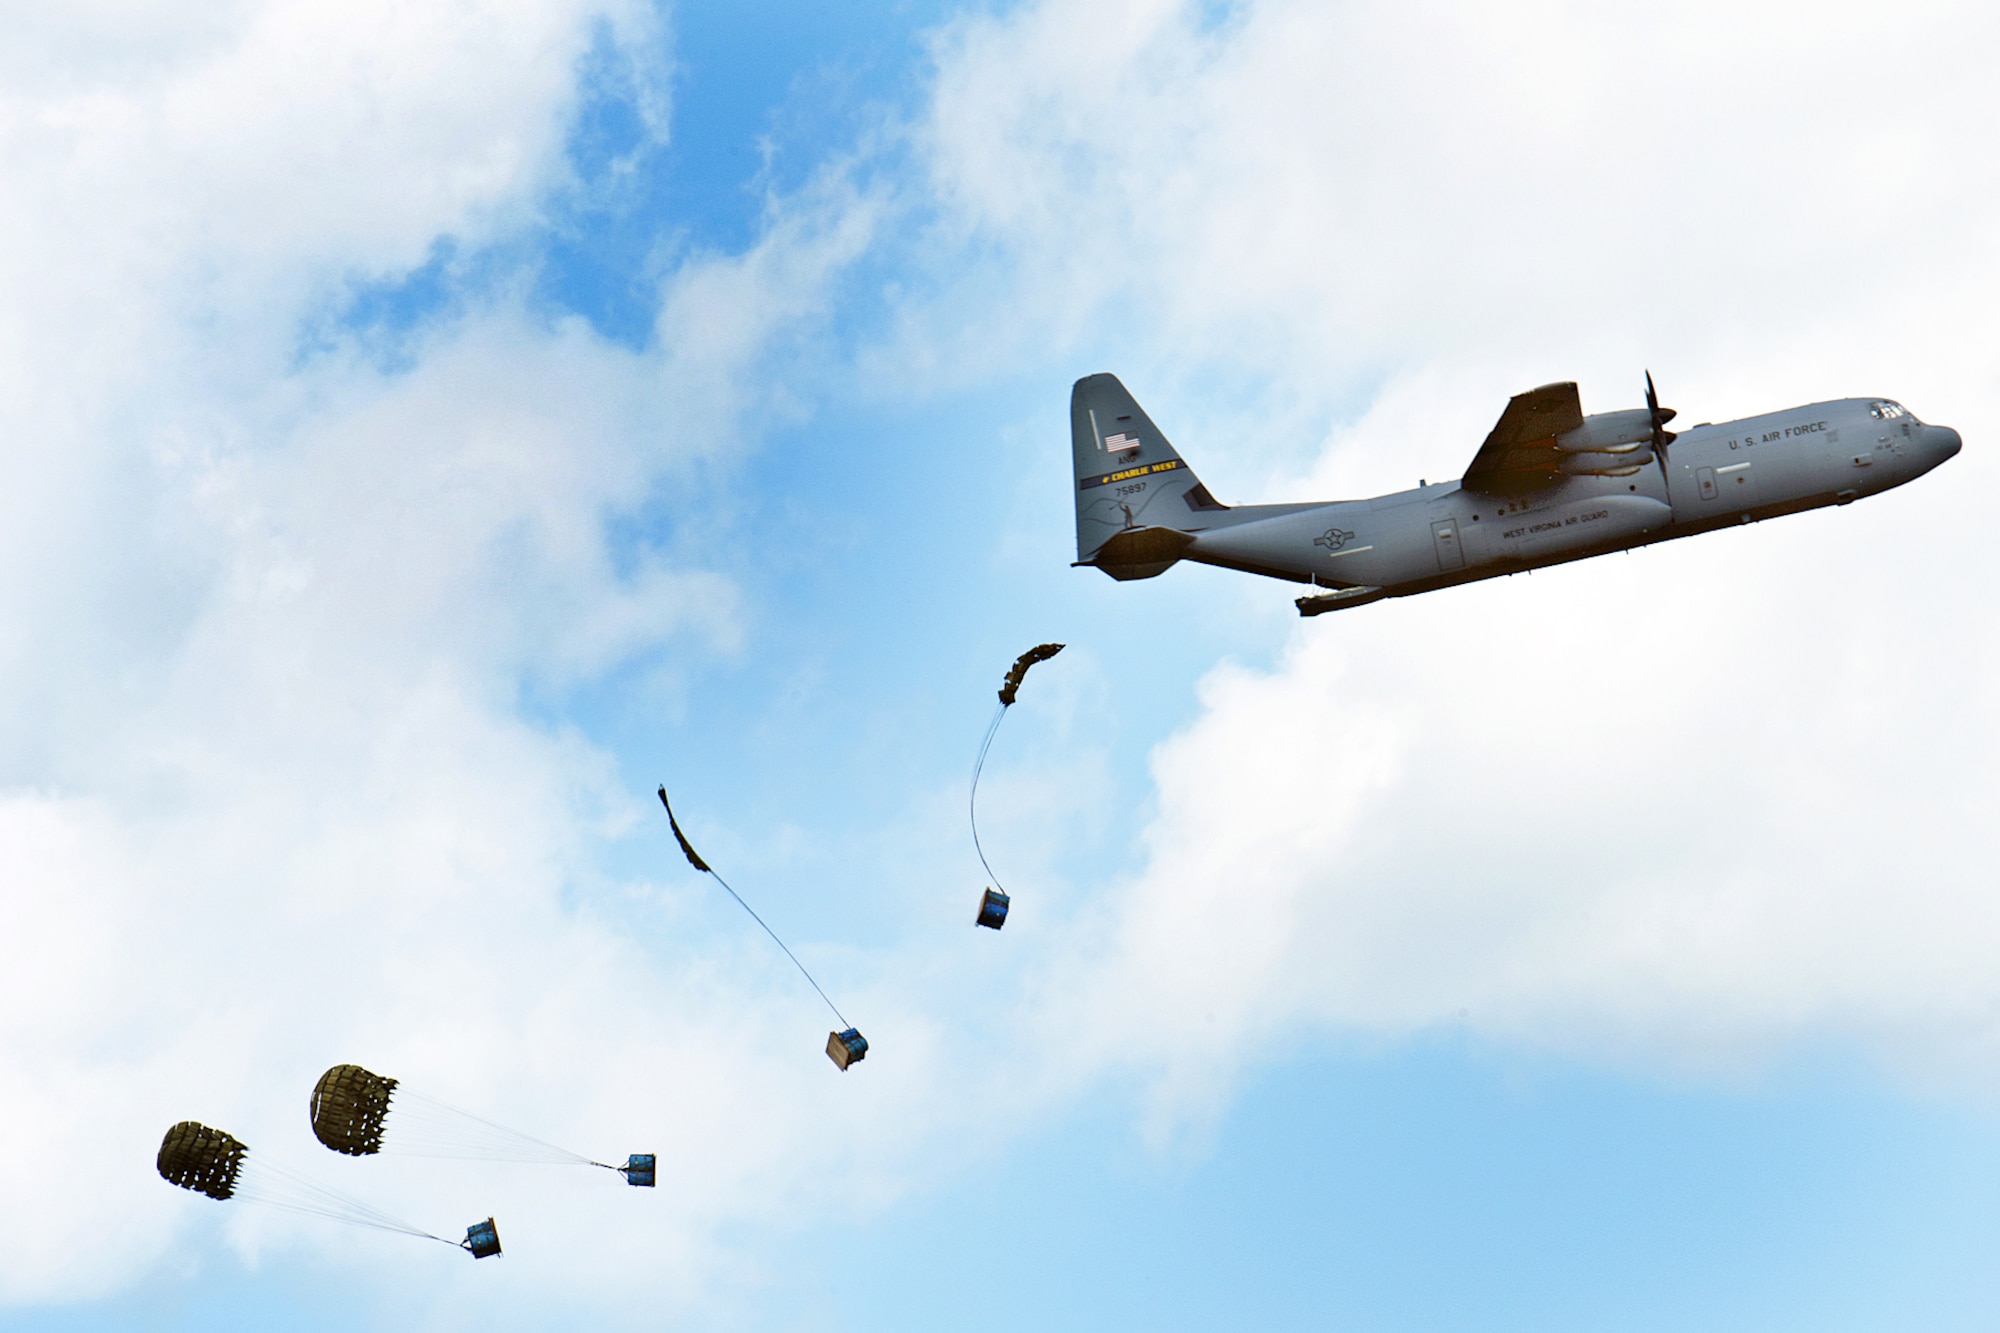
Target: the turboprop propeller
pixel 1661 435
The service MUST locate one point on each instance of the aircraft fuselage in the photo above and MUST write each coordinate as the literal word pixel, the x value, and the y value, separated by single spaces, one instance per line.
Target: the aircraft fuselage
pixel 1717 475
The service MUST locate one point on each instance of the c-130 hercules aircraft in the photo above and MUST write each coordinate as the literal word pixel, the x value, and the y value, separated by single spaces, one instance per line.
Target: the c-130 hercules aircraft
pixel 1549 485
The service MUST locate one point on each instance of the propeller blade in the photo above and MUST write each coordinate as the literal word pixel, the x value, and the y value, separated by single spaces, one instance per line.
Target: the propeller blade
pixel 1661 435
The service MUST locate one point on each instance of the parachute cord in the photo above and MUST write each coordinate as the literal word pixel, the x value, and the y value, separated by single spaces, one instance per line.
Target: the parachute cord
pixel 972 801
pixel 427 1127
pixel 782 945
pixel 316 1210
pixel 694 859
pixel 275 1187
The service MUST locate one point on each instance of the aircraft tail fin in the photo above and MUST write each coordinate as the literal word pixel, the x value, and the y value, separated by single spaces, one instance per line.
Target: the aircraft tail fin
pixel 1137 501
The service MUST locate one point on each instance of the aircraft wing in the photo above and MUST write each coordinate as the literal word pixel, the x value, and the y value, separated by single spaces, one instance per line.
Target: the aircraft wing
pixel 1520 453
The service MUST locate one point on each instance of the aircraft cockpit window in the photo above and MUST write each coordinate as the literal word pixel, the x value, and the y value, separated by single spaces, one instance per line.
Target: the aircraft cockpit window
pixel 1887 411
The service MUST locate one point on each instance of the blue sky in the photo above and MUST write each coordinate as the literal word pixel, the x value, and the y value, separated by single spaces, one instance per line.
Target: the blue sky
pixel 435 432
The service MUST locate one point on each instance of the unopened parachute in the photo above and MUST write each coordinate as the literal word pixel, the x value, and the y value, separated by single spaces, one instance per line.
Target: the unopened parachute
pixel 844 1046
pixel 221 1166
pixel 993 905
pixel 360 1113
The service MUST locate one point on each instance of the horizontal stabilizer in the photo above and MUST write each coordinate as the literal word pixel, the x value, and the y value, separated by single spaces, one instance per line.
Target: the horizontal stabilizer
pixel 1140 553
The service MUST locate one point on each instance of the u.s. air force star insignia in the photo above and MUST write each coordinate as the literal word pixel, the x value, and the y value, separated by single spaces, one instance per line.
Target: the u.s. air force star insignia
pixel 1333 538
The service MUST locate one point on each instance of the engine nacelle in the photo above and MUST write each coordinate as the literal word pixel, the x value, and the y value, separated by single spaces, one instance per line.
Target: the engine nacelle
pixel 1622 462
pixel 1609 432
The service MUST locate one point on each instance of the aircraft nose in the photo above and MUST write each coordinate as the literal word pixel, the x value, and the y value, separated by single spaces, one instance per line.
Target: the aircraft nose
pixel 1943 441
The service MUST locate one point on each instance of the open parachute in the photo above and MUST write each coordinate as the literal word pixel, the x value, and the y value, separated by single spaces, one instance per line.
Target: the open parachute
pixel 221 1166
pixel 361 1113
pixel 993 905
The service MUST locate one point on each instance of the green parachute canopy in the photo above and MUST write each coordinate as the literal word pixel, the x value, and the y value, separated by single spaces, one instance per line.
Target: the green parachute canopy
pixel 201 1159
pixel 349 1105
pixel 1017 673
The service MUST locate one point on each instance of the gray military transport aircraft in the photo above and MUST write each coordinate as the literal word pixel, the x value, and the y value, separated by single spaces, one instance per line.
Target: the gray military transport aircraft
pixel 1549 485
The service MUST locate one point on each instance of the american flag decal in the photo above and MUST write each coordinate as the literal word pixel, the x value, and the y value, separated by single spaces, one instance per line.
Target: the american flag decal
pixel 1118 444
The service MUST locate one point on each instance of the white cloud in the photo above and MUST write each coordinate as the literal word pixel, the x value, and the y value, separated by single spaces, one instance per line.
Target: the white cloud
pixel 1327 193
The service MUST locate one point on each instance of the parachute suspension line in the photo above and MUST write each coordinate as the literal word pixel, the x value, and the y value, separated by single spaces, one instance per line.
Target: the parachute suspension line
pixel 275 1187
pixel 782 945
pixel 972 801
pixel 695 860
pixel 420 1126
